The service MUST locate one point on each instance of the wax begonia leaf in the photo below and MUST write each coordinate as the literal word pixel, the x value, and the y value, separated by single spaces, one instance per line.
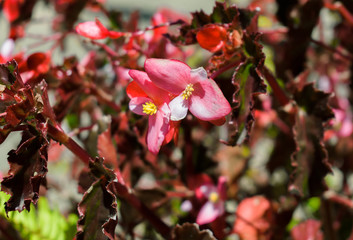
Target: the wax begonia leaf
pixel 98 208
pixel 28 168
pixel 191 231
pixel 310 158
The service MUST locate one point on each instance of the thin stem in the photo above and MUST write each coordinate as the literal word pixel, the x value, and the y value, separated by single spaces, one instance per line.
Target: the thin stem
pixel 326 209
pixel 166 24
pixel 225 68
pixel 157 223
pixel 277 90
pixel 107 49
pixel 333 50
pixel 8 231
pixel 121 189
pixel 188 152
pixel 63 138
pixel 343 200
pixel 337 6
pixel 103 97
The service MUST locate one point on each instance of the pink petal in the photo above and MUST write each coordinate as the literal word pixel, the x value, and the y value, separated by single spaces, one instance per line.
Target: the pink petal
pixel 186 206
pixel 207 101
pixel 209 212
pixel 104 30
pixel 7 48
pixel 178 108
pixel 158 127
pixel 222 187
pixel 133 90
pixel 90 30
pixel 135 104
pixel 158 95
pixel 171 75
pixel 198 75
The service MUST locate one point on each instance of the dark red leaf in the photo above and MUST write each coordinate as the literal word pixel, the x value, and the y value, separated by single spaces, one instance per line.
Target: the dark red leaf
pixel 98 208
pixel 191 231
pixel 39 62
pixel 28 168
pixel 310 159
pixel 248 83
pixel 106 149
pixel 292 54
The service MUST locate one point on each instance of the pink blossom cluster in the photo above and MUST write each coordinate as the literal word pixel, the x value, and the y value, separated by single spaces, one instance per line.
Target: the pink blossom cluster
pixel 165 93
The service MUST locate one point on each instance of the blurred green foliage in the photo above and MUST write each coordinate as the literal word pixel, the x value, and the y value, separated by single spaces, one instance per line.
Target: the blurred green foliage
pixel 41 223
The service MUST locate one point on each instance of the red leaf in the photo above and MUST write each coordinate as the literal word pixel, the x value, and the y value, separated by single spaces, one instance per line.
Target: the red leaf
pixel 28 168
pixel 191 231
pixel 106 148
pixel 39 62
pixel 98 208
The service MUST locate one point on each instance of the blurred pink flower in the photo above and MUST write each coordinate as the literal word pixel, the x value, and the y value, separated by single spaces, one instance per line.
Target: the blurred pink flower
pixel 214 207
pixel 193 90
pixel 96 30
pixel 253 218
pixel 147 99
pixel 310 229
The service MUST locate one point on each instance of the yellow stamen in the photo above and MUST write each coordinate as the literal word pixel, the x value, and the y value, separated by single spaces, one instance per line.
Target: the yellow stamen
pixel 213 197
pixel 188 91
pixel 149 108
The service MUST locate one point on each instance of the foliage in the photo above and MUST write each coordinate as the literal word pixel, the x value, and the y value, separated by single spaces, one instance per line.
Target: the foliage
pixel 40 223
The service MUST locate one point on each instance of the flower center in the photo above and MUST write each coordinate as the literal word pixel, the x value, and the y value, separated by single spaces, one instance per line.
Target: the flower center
pixel 188 91
pixel 213 197
pixel 149 108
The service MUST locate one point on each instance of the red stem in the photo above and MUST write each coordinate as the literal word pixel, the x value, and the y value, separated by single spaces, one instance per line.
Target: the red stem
pixel 158 224
pixel 225 68
pixel 343 200
pixel 63 138
pixel 121 189
pixel 337 6
pixel 333 50
pixel 277 90
pixel 108 50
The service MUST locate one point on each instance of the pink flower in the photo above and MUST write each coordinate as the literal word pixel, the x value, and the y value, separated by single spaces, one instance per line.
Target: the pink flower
pixel 193 89
pixel 96 30
pixel 254 218
pixel 310 229
pixel 147 99
pixel 214 207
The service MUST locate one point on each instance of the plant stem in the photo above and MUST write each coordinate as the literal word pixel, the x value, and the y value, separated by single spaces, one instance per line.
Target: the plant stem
pixel 121 189
pixel 277 90
pixel 340 199
pixel 338 6
pixel 8 231
pixel 158 224
pixel 225 68
pixel 326 209
pixel 103 97
pixel 60 136
pixel 333 50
